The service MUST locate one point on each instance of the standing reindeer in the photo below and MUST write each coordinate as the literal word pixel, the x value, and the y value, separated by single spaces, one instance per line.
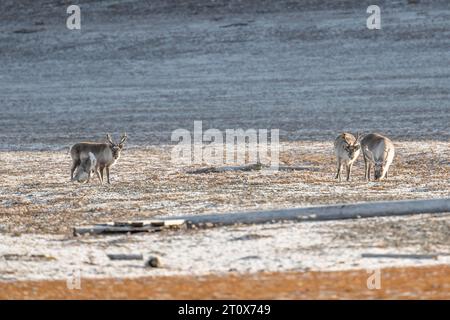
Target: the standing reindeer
pixel 379 151
pixel 106 155
pixel 346 148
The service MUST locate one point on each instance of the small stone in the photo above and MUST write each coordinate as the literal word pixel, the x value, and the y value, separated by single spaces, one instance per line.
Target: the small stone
pixel 190 225
pixel 153 262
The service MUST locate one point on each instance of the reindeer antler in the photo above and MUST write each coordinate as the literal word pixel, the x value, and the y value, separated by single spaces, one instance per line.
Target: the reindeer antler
pixel 124 138
pixel 108 137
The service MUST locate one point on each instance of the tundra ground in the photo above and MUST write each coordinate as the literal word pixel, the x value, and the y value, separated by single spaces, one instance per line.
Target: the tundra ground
pixel 37 196
pixel 39 207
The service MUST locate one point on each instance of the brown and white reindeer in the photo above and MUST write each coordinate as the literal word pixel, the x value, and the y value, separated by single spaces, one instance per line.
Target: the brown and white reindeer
pixel 379 151
pixel 347 149
pixel 106 155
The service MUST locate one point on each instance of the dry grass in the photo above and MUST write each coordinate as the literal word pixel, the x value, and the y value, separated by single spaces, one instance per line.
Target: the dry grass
pixel 36 195
pixel 396 283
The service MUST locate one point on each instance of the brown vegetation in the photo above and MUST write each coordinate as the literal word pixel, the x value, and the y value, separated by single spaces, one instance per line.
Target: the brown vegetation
pixel 396 283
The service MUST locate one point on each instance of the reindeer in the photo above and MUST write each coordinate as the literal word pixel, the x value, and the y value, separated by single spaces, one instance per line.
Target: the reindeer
pixel 106 155
pixel 346 148
pixel 379 151
pixel 85 169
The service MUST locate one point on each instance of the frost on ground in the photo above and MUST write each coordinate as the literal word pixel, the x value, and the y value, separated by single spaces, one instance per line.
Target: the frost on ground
pixel 321 246
pixel 36 195
pixel 39 205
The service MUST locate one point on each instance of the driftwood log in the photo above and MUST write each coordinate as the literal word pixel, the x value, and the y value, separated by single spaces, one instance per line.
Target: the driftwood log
pixel 123 256
pixel 320 213
pixel 128 227
pixel 400 256
pixel 317 213
pixel 250 167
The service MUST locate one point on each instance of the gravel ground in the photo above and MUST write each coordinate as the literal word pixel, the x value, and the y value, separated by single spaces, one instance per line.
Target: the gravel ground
pixel 38 197
pixel 39 206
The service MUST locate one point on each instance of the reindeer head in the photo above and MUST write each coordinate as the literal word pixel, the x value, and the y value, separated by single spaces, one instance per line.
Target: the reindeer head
pixel 378 170
pixel 352 147
pixel 85 169
pixel 116 148
pixel 378 167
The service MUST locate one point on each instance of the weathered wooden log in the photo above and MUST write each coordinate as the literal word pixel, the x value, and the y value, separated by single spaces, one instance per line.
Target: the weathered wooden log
pixel 399 256
pixel 250 167
pixel 297 168
pixel 27 257
pixel 128 226
pixel 318 213
pixel 99 229
pixel 333 212
pixel 122 256
pixel 142 223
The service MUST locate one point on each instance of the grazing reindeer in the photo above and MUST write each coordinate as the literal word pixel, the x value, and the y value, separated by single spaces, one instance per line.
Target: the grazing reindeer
pixel 346 148
pixel 106 154
pixel 379 151
pixel 85 169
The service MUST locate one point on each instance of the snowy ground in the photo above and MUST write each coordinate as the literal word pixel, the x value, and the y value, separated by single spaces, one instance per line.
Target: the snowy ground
pixel 37 196
pixel 319 246
pixel 40 206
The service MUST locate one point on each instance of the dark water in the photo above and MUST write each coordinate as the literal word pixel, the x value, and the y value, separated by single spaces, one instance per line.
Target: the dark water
pixel 308 68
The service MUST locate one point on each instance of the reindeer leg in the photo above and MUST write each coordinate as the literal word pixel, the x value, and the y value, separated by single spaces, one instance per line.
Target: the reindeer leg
pixel 75 164
pixel 107 175
pixel 365 167
pixel 349 170
pixel 338 174
pixel 101 172
pixel 97 172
